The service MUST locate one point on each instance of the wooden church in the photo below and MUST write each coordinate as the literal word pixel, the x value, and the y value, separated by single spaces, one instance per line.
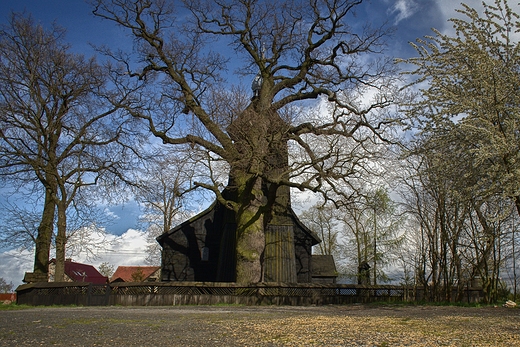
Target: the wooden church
pixel 203 249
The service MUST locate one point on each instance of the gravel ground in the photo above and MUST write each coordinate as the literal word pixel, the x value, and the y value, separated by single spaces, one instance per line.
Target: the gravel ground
pixel 349 325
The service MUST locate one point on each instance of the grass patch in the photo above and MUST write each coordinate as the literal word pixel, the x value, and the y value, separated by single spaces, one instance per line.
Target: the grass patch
pixel 430 303
pixel 454 304
pixel 223 304
pixel 14 306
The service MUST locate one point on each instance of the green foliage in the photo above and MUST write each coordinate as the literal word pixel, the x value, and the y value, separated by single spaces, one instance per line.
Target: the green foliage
pixel 471 105
pixel 373 226
pixel 468 148
pixel 138 275
pixel 322 219
pixel 13 306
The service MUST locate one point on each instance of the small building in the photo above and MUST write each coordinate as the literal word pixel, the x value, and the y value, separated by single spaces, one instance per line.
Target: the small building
pixel 323 269
pixel 136 274
pixel 78 272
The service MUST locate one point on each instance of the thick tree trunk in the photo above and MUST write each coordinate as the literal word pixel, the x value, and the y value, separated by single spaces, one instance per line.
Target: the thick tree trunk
pixel 250 233
pixel 260 138
pixel 44 237
pixel 61 240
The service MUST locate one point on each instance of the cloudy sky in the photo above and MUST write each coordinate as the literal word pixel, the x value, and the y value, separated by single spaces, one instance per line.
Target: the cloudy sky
pixel 411 18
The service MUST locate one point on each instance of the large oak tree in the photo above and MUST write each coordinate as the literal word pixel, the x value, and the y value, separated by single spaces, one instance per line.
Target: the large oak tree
pixel 299 51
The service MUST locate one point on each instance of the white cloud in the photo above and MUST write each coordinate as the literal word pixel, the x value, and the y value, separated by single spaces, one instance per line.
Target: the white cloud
pixel 111 214
pixel 404 9
pixel 448 9
pixel 127 249
pixel 14 263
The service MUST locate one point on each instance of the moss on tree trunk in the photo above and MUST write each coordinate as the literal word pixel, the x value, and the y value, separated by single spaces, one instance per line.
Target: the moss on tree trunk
pixel 250 232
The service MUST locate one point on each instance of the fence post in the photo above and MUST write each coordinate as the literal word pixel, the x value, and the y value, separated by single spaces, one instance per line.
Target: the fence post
pixel 108 291
pixel 89 294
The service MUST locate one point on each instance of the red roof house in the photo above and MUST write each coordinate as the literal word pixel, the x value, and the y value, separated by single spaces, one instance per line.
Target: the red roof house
pixel 77 272
pixel 136 274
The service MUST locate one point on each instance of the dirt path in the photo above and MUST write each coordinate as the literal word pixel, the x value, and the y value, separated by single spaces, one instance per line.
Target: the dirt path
pixel 351 325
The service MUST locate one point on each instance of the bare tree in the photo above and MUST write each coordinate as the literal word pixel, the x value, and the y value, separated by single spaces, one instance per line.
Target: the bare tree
pixel 5 287
pixel 84 235
pixel 106 269
pixel 460 240
pixel 164 180
pixel 58 130
pixel 303 51
pixel 438 218
pixel 322 219
pixel 372 224
pixel 19 225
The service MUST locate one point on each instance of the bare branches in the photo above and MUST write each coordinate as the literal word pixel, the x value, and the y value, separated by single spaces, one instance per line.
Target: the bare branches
pixel 306 47
pixel 301 52
pixel 181 60
pixel 57 126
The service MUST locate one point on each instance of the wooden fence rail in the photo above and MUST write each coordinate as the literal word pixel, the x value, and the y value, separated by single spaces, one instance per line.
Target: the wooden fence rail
pixel 199 293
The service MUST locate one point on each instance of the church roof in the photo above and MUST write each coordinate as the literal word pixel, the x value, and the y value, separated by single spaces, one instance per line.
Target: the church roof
pixel 311 233
pixel 323 266
pixel 187 222
pixel 79 272
pixel 315 238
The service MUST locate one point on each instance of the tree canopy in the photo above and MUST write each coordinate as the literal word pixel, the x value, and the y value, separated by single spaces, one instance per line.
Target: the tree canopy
pixel 469 103
pixel 466 154
pixel 301 52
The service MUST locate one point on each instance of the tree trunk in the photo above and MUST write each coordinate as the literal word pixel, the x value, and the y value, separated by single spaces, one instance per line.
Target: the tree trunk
pixel 44 237
pixel 61 240
pixel 250 233
pixel 517 204
pixel 513 256
pixel 375 249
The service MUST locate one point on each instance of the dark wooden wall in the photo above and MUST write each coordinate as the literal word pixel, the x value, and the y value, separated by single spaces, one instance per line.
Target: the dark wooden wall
pixel 287 256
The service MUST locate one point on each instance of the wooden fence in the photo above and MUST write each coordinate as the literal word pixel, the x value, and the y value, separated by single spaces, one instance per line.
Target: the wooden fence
pixel 199 293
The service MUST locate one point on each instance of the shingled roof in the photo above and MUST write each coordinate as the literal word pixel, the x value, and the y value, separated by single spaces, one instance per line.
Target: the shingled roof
pixel 323 267
pixel 79 272
pixel 126 273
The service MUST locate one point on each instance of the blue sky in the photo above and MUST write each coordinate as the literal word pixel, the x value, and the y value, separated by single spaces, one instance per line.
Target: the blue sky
pixel 83 28
pixel 411 18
